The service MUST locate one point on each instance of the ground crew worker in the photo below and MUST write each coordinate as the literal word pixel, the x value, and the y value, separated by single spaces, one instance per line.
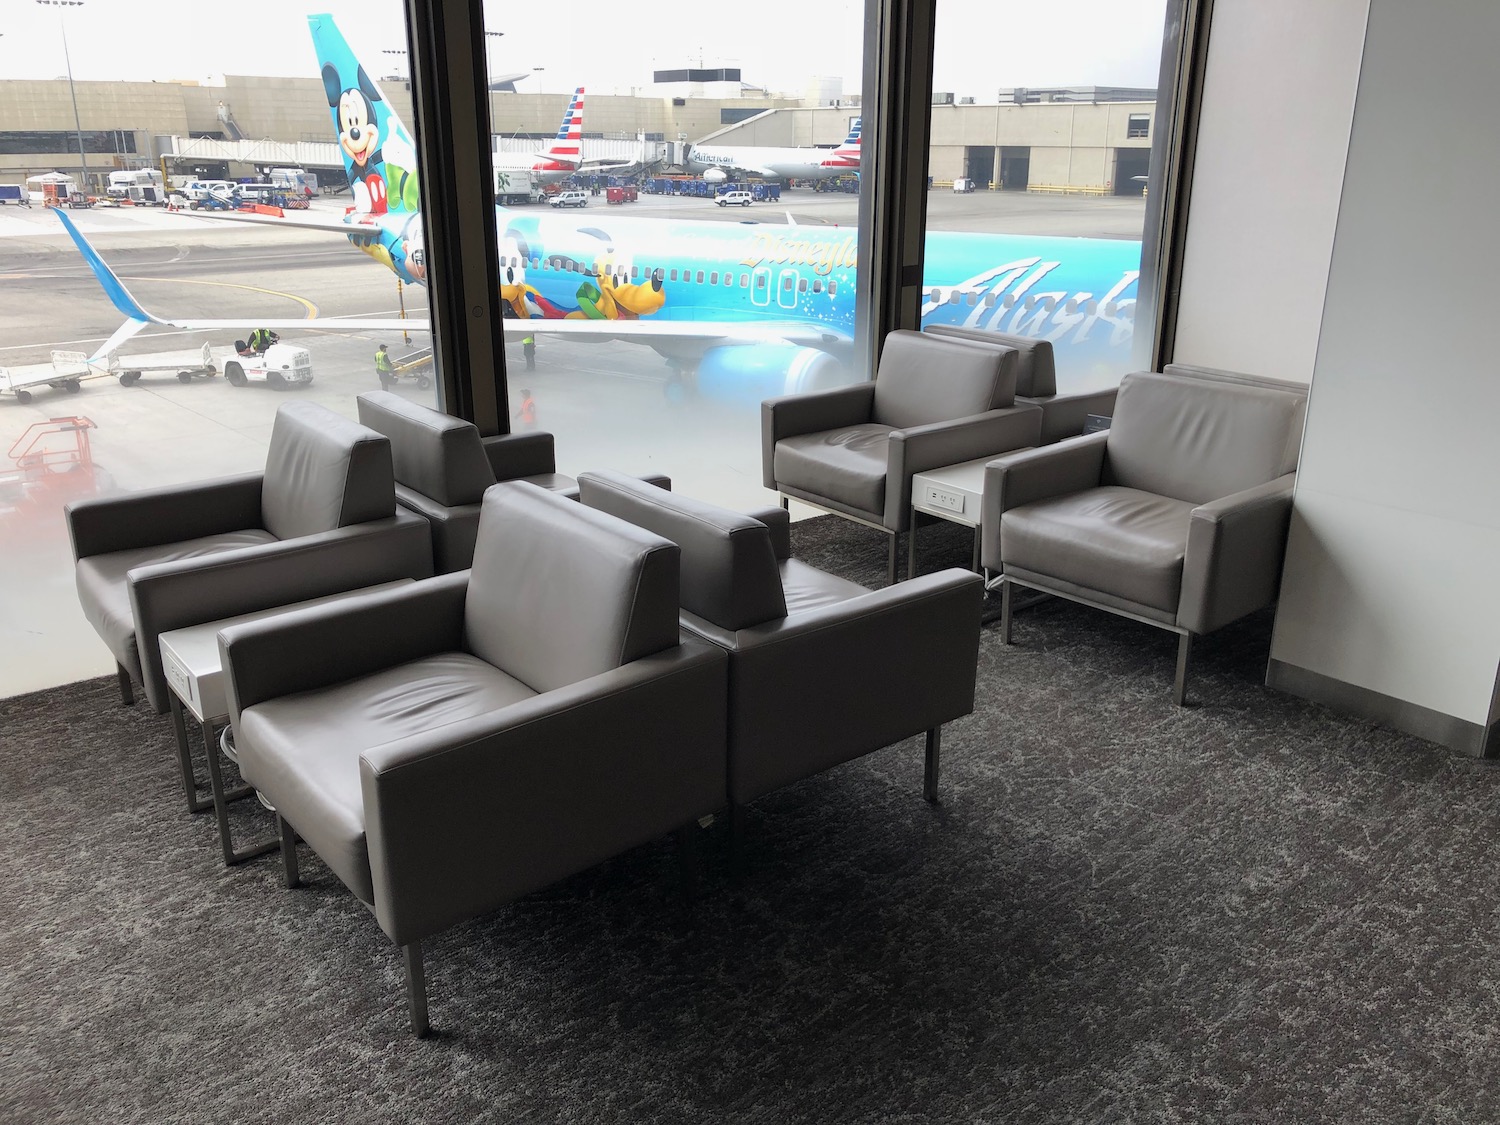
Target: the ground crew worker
pixel 385 368
pixel 260 340
pixel 528 348
pixel 527 413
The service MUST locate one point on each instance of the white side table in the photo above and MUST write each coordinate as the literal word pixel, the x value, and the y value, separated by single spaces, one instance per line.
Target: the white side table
pixel 955 494
pixel 195 679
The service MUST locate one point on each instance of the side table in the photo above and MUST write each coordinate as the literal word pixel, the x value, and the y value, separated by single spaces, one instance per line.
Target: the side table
pixel 195 679
pixel 955 494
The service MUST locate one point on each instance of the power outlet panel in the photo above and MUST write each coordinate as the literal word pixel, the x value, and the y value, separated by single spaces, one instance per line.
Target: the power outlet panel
pixel 942 498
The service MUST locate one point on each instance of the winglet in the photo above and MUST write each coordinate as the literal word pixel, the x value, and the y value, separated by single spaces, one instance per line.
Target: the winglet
pixel 114 288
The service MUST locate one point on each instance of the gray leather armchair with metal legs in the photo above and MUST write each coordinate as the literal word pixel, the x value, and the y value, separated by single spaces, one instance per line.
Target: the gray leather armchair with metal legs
pixel 320 519
pixel 853 450
pixel 454 744
pixel 1063 415
pixel 443 468
pixel 1177 515
pixel 821 670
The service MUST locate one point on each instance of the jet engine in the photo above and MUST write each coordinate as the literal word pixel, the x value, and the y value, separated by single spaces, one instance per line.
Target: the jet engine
pixel 714 175
pixel 747 373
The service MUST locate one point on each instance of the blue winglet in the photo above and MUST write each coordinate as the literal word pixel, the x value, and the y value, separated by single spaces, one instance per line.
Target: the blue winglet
pixel 114 288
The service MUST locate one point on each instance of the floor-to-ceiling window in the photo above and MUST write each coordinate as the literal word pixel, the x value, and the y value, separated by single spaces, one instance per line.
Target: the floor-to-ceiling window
pixel 678 220
pixel 1044 120
pixel 272 188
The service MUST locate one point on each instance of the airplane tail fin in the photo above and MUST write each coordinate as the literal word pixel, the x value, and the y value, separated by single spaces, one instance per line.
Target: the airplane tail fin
pixel 567 146
pixel 135 316
pixel 849 150
pixel 380 158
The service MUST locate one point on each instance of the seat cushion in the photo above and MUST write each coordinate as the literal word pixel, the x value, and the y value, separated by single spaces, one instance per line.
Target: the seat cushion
pixel 847 465
pixel 302 751
pixel 806 587
pixel 1114 540
pixel 105 594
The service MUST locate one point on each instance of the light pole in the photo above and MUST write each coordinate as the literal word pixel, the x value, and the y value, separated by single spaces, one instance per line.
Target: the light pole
pixel 400 53
pixel 541 85
pixel 83 160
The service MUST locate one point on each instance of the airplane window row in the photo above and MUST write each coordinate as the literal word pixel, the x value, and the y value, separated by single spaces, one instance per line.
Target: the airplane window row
pixel 700 277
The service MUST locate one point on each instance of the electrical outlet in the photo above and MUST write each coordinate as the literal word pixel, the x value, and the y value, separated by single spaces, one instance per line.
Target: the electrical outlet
pixel 942 498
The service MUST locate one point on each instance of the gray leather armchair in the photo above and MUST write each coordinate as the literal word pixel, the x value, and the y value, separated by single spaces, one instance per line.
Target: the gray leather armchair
pixel 450 745
pixel 1177 515
pixel 321 519
pixel 821 670
pixel 1063 415
pixel 853 450
pixel 443 468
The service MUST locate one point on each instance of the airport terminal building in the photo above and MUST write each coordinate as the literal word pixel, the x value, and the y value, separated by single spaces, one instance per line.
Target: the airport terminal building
pixel 1093 140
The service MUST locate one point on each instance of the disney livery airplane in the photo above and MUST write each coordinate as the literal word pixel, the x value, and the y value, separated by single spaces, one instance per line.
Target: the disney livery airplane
pixel 759 307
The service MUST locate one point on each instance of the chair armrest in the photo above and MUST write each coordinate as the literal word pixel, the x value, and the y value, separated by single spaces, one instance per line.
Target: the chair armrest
pixel 171 514
pixel 818 688
pixel 1020 478
pixel 171 595
pixel 938 444
pixel 521 455
pixel 808 414
pixel 463 818
pixel 779 520
pixel 1064 416
pixel 313 647
pixel 1235 549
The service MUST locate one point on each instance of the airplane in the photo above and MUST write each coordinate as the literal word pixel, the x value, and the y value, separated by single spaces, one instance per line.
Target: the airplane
pixel 563 157
pixel 744 309
pixel 717 162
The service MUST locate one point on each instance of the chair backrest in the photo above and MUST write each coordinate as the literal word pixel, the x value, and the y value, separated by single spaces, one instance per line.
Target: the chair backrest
pixel 730 575
pixel 1036 371
pixel 559 592
pixel 1198 439
pixel 436 454
pixel 923 379
pixel 324 471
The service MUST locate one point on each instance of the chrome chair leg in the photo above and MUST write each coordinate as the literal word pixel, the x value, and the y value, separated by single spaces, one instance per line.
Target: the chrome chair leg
pixel 1005 608
pixel 288 852
pixel 1184 656
pixel 127 693
pixel 930 772
pixel 416 989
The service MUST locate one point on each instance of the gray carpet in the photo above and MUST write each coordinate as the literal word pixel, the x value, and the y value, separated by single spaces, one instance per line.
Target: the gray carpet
pixel 1249 910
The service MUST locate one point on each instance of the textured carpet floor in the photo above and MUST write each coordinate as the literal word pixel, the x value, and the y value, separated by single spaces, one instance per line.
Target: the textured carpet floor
pixel 1249 910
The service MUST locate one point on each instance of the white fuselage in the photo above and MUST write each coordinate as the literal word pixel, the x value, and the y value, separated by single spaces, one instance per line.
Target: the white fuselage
pixel 783 163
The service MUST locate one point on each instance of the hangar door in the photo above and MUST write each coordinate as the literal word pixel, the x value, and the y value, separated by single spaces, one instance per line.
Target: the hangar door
pixel 1015 167
pixel 979 165
pixel 1130 163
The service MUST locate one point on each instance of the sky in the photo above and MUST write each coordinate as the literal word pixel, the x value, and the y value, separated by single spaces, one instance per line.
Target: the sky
pixel 609 47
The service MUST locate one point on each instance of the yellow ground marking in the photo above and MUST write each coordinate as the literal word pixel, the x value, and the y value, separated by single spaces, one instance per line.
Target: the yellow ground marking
pixel 312 309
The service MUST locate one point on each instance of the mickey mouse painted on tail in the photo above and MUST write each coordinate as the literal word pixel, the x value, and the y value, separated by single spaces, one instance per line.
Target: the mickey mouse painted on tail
pixel 378 155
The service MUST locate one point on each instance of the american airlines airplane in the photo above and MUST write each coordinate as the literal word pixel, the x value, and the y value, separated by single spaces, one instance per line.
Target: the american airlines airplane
pixel 563 157
pixel 749 308
pixel 717 162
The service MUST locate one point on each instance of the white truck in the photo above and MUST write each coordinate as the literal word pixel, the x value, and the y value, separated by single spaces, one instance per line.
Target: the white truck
pixel 513 187
pixel 280 366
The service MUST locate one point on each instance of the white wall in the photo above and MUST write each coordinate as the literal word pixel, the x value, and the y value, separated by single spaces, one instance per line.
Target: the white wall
pixel 1391 574
pixel 1278 97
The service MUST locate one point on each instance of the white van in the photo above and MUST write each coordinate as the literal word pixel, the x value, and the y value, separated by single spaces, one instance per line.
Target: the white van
pixel 195 190
pixel 736 198
pixel 570 199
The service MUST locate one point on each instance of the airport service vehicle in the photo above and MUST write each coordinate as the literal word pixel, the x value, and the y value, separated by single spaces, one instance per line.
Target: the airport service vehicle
pixel 138 185
pixel 198 190
pixel 23 382
pixel 279 366
pixel 570 199
pixel 14 193
pixel 293 181
pixel 129 368
pixel 514 186
pixel 735 199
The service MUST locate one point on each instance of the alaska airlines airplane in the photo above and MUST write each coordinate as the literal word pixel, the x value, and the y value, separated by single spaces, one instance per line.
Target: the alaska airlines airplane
pixel 760 307
pixel 716 162
pixel 564 156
